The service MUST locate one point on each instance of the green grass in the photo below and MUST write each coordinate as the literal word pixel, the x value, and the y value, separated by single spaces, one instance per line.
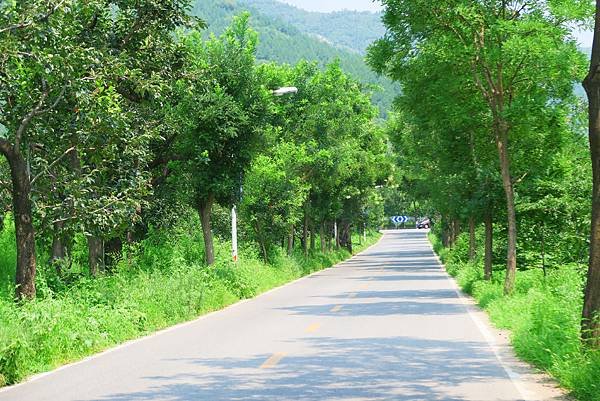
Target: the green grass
pixel 543 315
pixel 8 255
pixel 157 284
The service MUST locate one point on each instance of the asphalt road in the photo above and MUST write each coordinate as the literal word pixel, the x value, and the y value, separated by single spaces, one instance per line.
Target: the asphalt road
pixel 385 325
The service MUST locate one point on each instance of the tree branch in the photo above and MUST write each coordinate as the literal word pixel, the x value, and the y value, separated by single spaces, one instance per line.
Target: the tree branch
pixel 519 180
pixel 72 148
pixel 93 212
pixel 41 18
pixel 36 112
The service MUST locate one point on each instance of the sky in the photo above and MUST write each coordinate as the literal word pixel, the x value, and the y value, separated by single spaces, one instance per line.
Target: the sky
pixel 335 5
pixel 584 38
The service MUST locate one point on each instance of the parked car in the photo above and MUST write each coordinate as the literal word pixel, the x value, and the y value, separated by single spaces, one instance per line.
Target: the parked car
pixel 424 224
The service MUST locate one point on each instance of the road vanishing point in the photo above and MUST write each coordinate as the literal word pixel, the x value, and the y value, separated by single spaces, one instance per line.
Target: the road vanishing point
pixel 388 324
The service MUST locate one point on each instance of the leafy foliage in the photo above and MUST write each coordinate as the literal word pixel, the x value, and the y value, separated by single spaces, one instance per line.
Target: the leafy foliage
pixel 285 42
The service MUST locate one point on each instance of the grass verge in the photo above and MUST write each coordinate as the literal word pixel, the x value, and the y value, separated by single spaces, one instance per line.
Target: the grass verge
pixel 543 315
pixel 160 283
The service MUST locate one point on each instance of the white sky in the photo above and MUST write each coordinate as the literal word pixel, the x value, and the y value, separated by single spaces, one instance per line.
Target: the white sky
pixel 584 38
pixel 335 5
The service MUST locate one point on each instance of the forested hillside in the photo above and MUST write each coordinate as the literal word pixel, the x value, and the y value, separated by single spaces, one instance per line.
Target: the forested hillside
pixel 284 42
pixel 353 30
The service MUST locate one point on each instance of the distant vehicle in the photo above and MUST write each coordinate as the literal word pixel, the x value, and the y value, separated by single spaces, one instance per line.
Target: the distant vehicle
pixel 424 224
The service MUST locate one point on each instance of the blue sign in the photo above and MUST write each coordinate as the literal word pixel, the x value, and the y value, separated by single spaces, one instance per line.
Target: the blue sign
pixel 399 219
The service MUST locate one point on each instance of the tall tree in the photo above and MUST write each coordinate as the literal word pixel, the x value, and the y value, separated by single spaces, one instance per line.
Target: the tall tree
pixel 591 305
pixel 519 55
pixel 220 109
pixel 275 194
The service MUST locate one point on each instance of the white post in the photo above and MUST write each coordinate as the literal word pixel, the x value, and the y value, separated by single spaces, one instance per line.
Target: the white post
pixel 234 244
pixel 335 232
pixel 365 232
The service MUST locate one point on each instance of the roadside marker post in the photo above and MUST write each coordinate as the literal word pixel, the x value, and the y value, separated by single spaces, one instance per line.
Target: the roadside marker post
pixel 335 233
pixel 234 244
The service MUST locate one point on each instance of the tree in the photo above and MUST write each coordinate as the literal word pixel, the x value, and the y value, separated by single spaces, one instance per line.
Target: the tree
pixel 219 107
pixel 275 194
pixel 331 117
pixel 40 60
pixel 591 306
pixel 55 57
pixel 519 56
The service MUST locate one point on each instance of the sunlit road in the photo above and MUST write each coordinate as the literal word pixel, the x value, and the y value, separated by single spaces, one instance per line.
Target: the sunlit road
pixel 386 325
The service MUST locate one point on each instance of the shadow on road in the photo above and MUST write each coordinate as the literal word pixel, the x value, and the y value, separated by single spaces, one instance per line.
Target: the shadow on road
pixel 395 368
pixel 409 294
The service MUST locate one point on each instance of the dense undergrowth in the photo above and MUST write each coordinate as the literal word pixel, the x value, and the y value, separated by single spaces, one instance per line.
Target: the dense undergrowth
pixel 543 315
pixel 160 282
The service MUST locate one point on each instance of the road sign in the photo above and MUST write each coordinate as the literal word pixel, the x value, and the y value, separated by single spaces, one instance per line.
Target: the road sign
pixel 399 219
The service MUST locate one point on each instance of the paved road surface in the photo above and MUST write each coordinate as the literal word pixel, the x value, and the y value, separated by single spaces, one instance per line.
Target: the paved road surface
pixel 386 325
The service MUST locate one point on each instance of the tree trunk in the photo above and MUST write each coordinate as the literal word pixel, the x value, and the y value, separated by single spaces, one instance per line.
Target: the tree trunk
pixel 416 214
pixel 290 241
pixel 336 234
pixel 323 239
pixel 471 238
pixel 95 255
pixel 543 233
pixel 261 243
pixel 313 237
pixel 445 232
pixel 590 328
pixel 59 247
pixel 305 233
pixel 501 128
pixel 24 231
pixel 454 231
pixel 489 237
pixel 204 211
pixel 345 235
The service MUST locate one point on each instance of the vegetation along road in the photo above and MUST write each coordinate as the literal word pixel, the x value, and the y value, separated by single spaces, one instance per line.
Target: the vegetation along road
pixel 388 324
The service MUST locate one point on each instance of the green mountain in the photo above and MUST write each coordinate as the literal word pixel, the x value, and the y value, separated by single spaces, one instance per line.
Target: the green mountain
pixel 284 42
pixel 352 30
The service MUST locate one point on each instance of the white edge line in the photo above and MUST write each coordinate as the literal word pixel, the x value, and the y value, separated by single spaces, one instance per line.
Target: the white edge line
pixel 173 328
pixel 514 377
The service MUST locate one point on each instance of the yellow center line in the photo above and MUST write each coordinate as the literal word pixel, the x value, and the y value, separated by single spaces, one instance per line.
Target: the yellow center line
pixel 313 327
pixel 336 308
pixel 273 360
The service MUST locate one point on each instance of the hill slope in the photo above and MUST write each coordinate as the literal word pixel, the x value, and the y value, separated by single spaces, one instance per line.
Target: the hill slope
pixel 352 30
pixel 284 43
